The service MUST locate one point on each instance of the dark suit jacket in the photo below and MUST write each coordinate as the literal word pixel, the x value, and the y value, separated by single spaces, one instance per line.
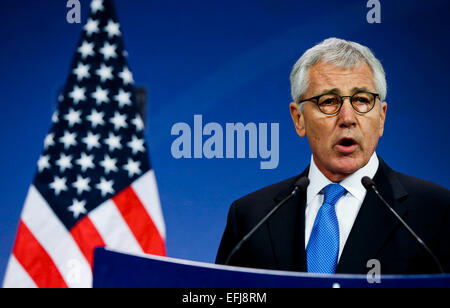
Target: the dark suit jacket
pixel 280 243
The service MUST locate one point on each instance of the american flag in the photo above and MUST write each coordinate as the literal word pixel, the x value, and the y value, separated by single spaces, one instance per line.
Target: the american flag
pixel 94 185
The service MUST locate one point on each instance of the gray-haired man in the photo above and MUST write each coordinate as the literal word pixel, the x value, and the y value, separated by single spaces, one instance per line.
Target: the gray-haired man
pixel 336 226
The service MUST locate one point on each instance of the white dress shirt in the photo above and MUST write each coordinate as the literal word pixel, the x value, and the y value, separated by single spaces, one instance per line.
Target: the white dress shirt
pixel 347 207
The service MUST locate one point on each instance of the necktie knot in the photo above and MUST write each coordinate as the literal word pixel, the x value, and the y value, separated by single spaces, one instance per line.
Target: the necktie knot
pixel 332 193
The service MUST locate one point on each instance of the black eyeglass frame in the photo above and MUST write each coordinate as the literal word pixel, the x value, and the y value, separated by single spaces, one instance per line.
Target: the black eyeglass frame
pixel 315 99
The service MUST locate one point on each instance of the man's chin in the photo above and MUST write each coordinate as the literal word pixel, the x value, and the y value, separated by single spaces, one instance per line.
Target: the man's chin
pixel 346 165
pixel 336 166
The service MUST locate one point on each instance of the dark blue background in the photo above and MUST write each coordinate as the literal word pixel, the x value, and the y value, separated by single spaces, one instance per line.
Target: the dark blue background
pixel 229 61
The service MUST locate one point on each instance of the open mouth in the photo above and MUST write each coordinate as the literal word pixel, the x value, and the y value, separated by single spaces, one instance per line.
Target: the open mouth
pixel 346 145
pixel 346 142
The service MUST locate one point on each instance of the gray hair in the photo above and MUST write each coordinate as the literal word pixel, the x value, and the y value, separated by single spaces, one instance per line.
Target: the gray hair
pixel 341 53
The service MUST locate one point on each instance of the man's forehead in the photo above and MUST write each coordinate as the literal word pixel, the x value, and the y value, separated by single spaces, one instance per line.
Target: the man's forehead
pixel 327 68
pixel 333 77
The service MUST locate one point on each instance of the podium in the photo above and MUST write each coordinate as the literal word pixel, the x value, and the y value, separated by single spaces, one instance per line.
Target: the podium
pixel 114 269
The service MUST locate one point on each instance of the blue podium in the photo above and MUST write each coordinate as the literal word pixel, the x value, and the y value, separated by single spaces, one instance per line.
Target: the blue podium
pixel 113 269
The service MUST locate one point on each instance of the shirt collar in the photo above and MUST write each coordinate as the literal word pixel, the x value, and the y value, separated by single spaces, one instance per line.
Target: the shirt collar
pixel 352 183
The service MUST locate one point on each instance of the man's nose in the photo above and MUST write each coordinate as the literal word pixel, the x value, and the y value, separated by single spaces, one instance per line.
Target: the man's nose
pixel 346 114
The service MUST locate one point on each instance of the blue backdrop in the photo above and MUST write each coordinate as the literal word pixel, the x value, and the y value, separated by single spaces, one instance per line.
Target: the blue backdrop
pixel 230 62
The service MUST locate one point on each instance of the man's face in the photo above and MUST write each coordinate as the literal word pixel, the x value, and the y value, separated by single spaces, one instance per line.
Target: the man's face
pixel 341 143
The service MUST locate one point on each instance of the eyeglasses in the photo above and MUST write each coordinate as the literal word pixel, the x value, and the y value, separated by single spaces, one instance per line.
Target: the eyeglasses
pixel 331 103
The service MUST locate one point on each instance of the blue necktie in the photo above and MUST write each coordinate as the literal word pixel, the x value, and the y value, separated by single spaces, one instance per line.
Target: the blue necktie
pixel 323 246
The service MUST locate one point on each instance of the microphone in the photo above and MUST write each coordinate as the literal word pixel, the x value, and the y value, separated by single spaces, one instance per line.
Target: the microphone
pixel 369 184
pixel 300 185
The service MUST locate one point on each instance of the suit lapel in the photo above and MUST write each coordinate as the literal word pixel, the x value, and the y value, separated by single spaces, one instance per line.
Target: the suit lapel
pixel 287 230
pixel 374 223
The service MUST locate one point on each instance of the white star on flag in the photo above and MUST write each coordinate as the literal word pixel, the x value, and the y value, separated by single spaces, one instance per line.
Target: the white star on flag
pixel 82 71
pixel 137 121
pixel 108 51
pixel 55 117
pixel 109 164
pixel 96 118
pixel 91 141
pixel 81 184
pixel 100 95
pixel 112 28
pixel 86 49
pixel 105 186
pixel 85 162
pixel 43 163
pixel 78 94
pixel 73 117
pixel 64 162
pixel 91 27
pixel 113 142
pixel 77 207
pixel 96 5
pixel 58 184
pixel 49 141
pixel 119 121
pixel 105 72
pixel 69 139
pixel 123 98
pixel 126 76
pixel 136 145
pixel 132 167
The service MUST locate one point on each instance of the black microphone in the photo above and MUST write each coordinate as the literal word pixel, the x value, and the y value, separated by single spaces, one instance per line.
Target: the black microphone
pixel 300 185
pixel 369 184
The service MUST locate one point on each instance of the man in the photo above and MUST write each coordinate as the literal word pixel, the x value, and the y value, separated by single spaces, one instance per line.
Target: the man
pixel 336 225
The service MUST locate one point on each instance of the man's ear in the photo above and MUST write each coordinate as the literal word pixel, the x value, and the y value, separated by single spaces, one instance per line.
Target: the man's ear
pixel 298 119
pixel 383 117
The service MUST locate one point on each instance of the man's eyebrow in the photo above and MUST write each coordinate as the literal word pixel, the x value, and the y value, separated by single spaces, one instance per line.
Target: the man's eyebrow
pixel 338 91
pixel 328 91
pixel 358 89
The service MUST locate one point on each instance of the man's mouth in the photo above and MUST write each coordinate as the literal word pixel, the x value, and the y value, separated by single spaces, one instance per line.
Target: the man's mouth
pixel 346 145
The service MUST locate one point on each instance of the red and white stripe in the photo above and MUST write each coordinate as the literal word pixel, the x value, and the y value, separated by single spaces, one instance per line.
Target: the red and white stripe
pixel 46 254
